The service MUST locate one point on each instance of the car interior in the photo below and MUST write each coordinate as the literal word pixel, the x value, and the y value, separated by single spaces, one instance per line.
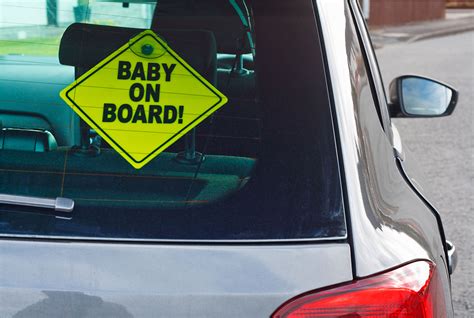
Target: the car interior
pixel 46 150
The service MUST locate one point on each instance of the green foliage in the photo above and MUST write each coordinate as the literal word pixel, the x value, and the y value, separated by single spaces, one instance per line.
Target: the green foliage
pixel 31 46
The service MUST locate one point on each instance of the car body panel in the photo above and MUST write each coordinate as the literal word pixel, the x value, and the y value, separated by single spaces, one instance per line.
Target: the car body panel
pixel 390 223
pixel 60 279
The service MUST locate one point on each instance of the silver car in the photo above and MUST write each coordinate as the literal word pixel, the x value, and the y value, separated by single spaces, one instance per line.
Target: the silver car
pixel 286 192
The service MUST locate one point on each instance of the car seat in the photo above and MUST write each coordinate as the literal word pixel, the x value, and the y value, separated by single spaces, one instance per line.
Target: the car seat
pixel 32 115
pixel 235 128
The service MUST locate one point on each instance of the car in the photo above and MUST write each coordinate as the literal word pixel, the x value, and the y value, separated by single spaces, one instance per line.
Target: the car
pixel 211 158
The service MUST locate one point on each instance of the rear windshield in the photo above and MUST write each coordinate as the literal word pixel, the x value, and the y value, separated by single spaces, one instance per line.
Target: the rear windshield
pixel 175 120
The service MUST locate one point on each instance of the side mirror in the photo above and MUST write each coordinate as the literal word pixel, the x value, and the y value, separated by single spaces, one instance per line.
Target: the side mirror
pixel 416 96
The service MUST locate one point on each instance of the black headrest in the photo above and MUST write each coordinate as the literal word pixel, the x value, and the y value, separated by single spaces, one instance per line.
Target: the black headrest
pixel 218 16
pixel 85 45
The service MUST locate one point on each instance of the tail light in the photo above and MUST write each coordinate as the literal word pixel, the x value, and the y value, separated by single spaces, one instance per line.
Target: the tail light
pixel 413 290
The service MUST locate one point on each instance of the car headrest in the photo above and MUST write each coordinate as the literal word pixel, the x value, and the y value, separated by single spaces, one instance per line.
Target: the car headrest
pixel 218 16
pixel 85 45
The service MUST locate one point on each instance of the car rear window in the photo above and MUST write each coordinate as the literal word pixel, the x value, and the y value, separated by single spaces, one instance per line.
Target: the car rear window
pixel 175 120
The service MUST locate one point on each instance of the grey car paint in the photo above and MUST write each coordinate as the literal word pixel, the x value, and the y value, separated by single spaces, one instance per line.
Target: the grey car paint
pixel 59 279
pixel 390 225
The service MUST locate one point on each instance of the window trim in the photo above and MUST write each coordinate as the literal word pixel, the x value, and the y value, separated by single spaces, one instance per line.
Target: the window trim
pixel 373 70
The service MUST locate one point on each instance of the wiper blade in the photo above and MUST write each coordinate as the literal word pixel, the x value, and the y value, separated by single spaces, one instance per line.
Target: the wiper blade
pixel 59 204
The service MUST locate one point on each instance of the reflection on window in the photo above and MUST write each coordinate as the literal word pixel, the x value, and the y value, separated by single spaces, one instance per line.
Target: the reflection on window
pixel 33 27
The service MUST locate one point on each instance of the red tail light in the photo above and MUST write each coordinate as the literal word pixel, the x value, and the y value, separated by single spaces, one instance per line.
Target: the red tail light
pixel 413 290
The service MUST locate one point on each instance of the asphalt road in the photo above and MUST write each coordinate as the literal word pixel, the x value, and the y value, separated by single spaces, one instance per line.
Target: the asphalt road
pixel 444 147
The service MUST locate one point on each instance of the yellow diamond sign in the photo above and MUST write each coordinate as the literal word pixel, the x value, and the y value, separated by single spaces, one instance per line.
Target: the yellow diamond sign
pixel 142 98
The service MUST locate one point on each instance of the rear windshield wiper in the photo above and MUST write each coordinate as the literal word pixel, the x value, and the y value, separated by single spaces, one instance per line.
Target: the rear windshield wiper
pixel 63 206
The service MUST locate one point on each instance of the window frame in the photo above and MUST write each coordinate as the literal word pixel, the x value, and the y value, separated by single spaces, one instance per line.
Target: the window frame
pixel 313 24
pixel 373 69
